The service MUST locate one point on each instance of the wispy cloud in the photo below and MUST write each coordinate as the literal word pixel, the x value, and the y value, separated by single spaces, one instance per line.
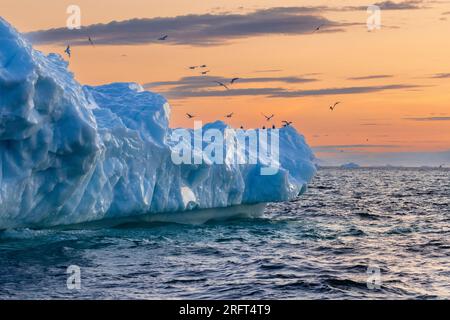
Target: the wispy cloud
pixel 373 124
pixel 402 5
pixel 441 76
pixel 199 87
pixel 429 119
pixel 371 77
pixel 391 5
pixel 203 82
pixel 342 91
pixel 195 29
pixel 267 71
pixel 339 148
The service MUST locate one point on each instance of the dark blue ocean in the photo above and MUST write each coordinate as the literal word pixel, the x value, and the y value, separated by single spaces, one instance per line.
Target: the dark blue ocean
pixel 356 234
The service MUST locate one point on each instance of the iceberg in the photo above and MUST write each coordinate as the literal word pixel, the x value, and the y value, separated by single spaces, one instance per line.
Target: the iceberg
pixel 73 154
pixel 350 165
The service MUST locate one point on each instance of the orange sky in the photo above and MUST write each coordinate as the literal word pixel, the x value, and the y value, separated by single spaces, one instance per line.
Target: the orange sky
pixel 412 46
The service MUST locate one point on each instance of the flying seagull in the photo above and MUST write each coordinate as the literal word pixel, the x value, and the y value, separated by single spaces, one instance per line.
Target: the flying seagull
pixel 221 84
pixel 68 51
pixel 229 115
pixel 318 28
pixel 268 118
pixel 190 116
pixel 205 72
pixel 333 106
pixel 163 38
pixel 287 123
pixel 90 41
pixel 193 67
pixel 203 66
pixel 234 80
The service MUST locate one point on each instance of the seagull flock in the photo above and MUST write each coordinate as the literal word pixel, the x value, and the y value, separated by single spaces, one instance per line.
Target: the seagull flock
pixel 204 71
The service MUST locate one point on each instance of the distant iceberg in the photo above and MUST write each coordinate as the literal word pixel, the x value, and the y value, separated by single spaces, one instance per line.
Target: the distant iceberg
pixel 71 154
pixel 350 165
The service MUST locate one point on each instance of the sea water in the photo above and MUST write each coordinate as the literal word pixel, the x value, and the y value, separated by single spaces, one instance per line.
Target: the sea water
pixel 362 233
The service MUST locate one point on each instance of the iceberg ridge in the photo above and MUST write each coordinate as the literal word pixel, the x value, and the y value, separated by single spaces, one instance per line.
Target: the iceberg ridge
pixel 73 154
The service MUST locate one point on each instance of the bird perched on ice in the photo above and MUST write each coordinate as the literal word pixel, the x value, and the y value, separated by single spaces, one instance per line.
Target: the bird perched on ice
pixel 287 123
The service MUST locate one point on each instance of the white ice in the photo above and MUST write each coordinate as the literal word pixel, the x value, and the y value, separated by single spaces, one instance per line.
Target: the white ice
pixel 71 154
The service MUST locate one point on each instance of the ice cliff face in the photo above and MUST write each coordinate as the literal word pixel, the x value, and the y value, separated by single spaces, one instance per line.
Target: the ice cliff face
pixel 72 154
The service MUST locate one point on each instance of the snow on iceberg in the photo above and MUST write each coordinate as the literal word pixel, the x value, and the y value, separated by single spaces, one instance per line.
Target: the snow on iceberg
pixel 71 154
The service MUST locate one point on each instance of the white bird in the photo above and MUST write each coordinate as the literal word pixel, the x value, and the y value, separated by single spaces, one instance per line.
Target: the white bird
pixel 229 115
pixel 163 38
pixel 234 80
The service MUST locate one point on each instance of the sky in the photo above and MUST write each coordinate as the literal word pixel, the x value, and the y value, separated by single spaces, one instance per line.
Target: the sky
pixel 393 84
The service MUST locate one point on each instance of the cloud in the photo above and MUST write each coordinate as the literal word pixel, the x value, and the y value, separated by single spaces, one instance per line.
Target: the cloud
pixel 403 5
pixel 373 124
pixel 267 71
pixel 339 148
pixel 194 29
pixel 429 119
pixel 370 77
pixel 441 76
pixel 395 158
pixel 210 29
pixel 387 6
pixel 341 91
pixel 199 87
pixel 202 82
